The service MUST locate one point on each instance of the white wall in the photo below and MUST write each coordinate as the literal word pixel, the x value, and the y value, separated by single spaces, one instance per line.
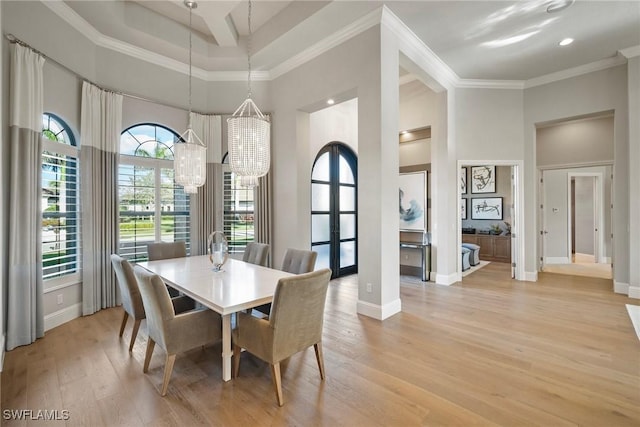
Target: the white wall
pixel 338 122
pixel 339 71
pixel 577 142
pixel 634 176
pixel 580 96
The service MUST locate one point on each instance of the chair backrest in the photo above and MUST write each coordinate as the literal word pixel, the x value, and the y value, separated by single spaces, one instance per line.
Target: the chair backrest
pixel 166 250
pixel 297 312
pixel 298 261
pixel 256 253
pixel 157 304
pixel 131 298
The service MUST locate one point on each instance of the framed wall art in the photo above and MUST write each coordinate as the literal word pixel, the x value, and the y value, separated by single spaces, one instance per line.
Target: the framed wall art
pixel 463 208
pixel 463 180
pixel 486 208
pixel 483 179
pixel 413 201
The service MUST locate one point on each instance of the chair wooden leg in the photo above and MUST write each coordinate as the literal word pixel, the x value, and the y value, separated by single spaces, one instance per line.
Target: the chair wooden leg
pixel 168 368
pixel 147 357
pixel 134 333
pixel 236 361
pixel 275 374
pixel 319 358
pixel 124 322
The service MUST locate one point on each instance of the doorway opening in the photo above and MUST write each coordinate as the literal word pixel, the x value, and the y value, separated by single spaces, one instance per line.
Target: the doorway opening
pixel 334 204
pixel 490 216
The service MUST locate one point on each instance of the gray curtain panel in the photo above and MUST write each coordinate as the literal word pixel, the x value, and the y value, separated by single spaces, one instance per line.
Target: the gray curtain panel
pixel 101 123
pixel 25 314
pixel 263 213
pixel 204 218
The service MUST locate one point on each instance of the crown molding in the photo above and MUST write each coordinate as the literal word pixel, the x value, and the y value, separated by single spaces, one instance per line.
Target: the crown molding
pixel 357 27
pixel 410 44
pixel 490 84
pixel 418 51
pixel 576 71
pixel 630 52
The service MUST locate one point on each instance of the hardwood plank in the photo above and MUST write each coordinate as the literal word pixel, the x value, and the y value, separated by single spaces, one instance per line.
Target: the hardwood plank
pixel 485 351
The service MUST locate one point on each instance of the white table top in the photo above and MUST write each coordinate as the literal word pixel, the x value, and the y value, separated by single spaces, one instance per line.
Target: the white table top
pixel 238 286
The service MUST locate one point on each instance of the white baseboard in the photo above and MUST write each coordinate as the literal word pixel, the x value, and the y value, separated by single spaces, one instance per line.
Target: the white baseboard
pixel 2 343
pixel 557 260
pixel 605 260
pixel 634 292
pixel 62 316
pixel 379 312
pixel 448 279
pixel 530 276
pixel 620 288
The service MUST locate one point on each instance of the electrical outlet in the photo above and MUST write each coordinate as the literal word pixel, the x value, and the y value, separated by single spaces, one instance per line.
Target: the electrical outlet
pixel 406 257
pixel 60 299
pixel 369 288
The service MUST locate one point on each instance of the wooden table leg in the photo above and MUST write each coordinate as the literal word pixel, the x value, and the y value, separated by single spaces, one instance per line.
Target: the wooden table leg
pixel 226 347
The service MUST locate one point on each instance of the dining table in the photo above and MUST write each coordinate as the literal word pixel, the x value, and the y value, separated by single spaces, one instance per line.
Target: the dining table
pixel 238 286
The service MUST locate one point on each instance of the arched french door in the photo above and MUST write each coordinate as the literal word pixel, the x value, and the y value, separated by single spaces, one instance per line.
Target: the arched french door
pixel 334 204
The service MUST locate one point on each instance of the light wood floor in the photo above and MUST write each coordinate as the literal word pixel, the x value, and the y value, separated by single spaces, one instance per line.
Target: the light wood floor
pixel 490 351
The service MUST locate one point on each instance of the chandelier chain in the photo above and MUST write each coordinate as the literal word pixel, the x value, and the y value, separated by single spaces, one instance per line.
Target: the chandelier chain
pixel 249 51
pixel 190 55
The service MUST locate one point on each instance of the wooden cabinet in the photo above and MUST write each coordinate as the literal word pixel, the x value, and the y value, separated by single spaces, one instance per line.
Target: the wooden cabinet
pixel 492 248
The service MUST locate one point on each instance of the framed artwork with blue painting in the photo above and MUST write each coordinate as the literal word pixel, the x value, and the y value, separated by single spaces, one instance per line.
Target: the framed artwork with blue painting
pixel 413 201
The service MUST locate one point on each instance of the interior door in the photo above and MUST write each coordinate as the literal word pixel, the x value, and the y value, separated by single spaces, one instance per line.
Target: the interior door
pixel 334 219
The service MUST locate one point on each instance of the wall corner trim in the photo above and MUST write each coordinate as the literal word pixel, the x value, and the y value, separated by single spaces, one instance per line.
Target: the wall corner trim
pixel 634 292
pixel 62 316
pixel 2 344
pixel 531 276
pixel 379 312
pixel 620 288
pixel 447 279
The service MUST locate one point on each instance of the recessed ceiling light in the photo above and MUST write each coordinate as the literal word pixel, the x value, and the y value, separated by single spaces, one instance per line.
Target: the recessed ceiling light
pixel 566 42
pixel 330 101
pixel 558 5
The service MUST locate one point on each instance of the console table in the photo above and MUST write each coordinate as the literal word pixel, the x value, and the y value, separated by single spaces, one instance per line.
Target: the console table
pixel 425 255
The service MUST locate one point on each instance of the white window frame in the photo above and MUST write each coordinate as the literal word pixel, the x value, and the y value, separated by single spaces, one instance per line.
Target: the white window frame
pixel 227 169
pixel 65 280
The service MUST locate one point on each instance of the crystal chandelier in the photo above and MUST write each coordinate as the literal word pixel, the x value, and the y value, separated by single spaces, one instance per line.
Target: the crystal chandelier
pixel 249 135
pixel 190 161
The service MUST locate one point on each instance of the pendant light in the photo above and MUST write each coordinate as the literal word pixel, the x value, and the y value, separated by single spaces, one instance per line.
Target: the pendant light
pixel 190 163
pixel 249 134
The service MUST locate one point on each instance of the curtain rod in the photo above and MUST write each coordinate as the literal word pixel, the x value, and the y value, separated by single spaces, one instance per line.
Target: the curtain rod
pixel 14 39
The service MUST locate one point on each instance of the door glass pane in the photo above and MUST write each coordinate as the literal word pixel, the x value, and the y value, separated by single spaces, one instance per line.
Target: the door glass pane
pixel 321 168
pixel 347 198
pixel 323 256
pixel 319 197
pixel 347 254
pixel 347 226
pixel 346 174
pixel 320 230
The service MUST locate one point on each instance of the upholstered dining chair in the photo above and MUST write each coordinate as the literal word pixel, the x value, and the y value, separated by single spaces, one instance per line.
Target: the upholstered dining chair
pixel 174 333
pixel 296 261
pixel 295 323
pixel 256 253
pixel 131 299
pixel 167 250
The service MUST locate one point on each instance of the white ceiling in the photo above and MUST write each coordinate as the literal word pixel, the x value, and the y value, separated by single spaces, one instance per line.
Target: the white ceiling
pixel 471 37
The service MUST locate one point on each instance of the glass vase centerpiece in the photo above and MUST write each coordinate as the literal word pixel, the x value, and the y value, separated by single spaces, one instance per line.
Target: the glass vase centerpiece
pixel 218 249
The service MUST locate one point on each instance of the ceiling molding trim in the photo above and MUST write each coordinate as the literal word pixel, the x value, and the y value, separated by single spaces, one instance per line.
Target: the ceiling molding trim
pixel 490 84
pixel 418 51
pixel 576 71
pixel 630 52
pixel 358 26
pixel 85 28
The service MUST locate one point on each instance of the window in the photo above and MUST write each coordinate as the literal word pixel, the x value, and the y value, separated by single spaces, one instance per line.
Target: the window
pixel 152 207
pixel 238 211
pixel 60 227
